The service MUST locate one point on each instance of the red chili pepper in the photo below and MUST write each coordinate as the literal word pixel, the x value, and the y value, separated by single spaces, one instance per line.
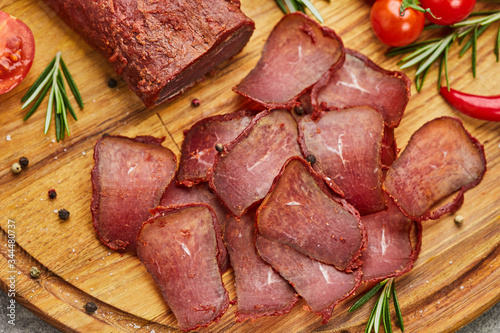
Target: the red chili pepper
pixel 480 107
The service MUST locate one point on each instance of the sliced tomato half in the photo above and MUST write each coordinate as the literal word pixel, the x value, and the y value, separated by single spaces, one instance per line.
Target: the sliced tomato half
pixel 17 50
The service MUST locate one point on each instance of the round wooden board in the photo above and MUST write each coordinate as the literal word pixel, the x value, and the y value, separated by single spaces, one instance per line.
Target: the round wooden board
pixel 456 278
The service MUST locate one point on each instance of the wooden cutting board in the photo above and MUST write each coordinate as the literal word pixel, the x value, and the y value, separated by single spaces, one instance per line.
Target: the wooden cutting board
pixel 456 278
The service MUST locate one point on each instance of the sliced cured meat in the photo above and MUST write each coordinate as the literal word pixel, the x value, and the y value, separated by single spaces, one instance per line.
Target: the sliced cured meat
pixel 389 147
pixel 301 211
pixel 243 174
pixel 393 243
pixel 175 195
pixel 322 286
pixel 128 179
pixel 160 48
pixel 260 290
pixel 349 155
pixel 361 82
pixel 296 55
pixel 440 159
pixel 178 246
pixel 198 148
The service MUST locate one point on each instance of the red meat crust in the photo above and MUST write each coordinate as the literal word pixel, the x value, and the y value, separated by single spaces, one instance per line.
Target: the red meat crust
pixel 160 48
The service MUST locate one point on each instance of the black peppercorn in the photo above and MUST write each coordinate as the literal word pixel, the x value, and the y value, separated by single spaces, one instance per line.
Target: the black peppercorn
pixel 104 135
pixel 195 102
pixel 23 161
pixel 90 307
pixel 63 214
pixel 52 193
pixel 112 83
pixel 299 110
pixel 219 147
pixel 311 159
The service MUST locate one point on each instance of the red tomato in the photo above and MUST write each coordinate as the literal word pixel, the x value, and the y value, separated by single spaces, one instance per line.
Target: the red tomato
pixel 393 29
pixel 448 11
pixel 17 49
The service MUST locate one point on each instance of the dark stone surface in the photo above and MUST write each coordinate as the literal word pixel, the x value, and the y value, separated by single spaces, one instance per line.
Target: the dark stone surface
pixel 27 322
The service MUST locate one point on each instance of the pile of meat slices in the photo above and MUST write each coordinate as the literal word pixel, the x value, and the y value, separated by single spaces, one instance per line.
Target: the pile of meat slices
pixel 307 198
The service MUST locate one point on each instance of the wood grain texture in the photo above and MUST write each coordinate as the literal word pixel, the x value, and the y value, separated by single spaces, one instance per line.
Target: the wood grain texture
pixel 456 278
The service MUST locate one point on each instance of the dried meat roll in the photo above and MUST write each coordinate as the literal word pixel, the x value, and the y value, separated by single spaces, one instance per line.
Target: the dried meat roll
pixel 178 246
pixel 440 159
pixel 260 290
pixel 322 286
pixel 160 48
pixel 302 212
pixel 243 174
pixel 362 82
pixel 198 148
pixel 297 53
pixel 128 179
pixel 349 155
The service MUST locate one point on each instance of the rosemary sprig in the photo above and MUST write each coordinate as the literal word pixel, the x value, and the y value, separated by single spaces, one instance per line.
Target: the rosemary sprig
pixel 424 53
pixel 52 78
pixel 381 312
pixel 291 6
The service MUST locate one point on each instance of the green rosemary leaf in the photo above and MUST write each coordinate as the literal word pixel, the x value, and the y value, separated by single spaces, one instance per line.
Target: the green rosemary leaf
pixel 387 316
pixel 399 317
pixel 58 128
pixel 484 12
pixel 290 4
pixel 38 102
pixel 417 56
pixel 435 55
pixel 491 19
pixel 469 42
pixel 446 50
pixel 66 102
pixel 371 321
pixel 312 9
pixel 497 45
pixel 72 84
pixel 367 296
pixel 474 51
pixel 38 89
pixel 39 80
pixel 48 115
pixel 432 26
pixel 282 6
pixel 378 312
pixel 440 71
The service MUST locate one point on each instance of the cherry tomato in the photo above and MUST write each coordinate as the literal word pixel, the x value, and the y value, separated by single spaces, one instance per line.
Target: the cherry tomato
pixel 448 12
pixel 17 49
pixel 393 29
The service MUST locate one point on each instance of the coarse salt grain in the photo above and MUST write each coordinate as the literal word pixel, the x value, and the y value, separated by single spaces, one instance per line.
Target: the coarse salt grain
pixel 451 262
pixel 83 153
pixel 53 140
pixel 461 287
pixel 8 138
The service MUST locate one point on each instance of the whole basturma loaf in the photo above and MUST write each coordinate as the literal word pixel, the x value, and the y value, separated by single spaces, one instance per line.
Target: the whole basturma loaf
pixel 162 47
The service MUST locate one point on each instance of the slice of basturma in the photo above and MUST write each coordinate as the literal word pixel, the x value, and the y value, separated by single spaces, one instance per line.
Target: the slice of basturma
pixel 362 82
pixel 322 286
pixel 178 246
pixel 243 174
pixel 441 158
pixel 198 148
pixel 128 179
pixel 301 211
pixel 260 290
pixel 394 243
pixel 296 55
pixel 349 155
pixel 200 193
